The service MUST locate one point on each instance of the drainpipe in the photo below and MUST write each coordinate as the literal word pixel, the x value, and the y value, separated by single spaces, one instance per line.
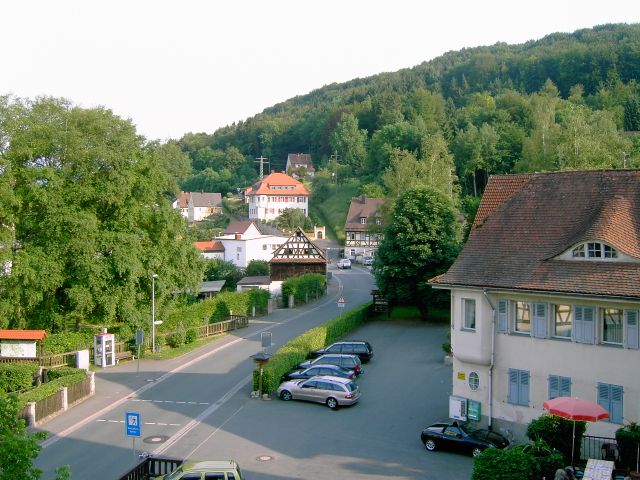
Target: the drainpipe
pixel 492 361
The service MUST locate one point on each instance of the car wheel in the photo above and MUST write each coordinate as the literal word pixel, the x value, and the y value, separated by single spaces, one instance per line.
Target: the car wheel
pixel 476 451
pixel 286 395
pixel 332 403
pixel 430 444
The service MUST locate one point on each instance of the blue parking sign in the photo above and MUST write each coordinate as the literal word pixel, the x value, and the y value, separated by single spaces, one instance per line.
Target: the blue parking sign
pixel 132 423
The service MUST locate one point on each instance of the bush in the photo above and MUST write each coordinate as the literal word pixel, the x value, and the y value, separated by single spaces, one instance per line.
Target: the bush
pixel 547 460
pixel 490 465
pixel 557 432
pixel 628 439
pixel 297 350
pixel 191 335
pixel 68 342
pixel 177 338
pixel 47 389
pixel 17 376
pixel 54 373
pixel 304 288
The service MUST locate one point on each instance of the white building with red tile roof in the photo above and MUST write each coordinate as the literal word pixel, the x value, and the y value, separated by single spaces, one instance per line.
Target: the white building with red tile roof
pixel 20 343
pixel 276 192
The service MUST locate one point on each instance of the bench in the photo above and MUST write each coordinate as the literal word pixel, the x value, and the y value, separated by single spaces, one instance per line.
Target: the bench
pixel 124 355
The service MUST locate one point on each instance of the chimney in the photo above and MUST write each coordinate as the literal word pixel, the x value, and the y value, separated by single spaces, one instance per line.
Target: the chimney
pixel 363 198
pixel 238 236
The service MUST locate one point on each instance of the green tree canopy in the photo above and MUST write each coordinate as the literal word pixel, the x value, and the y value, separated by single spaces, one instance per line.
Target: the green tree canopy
pixel 421 241
pixel 91 222
pixel 291 218
pixel 350 142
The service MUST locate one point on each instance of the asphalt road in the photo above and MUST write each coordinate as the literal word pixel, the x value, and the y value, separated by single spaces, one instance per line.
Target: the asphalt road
pixel 199 407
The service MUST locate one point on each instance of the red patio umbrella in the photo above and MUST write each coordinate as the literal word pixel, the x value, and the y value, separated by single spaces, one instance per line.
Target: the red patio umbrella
pixel 574 408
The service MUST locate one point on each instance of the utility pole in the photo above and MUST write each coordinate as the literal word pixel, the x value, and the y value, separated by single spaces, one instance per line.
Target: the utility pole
pixel 261 160
pixel 335 157
pixel 624 159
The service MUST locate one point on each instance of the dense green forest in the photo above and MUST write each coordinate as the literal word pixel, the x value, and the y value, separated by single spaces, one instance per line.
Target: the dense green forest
pixel 562 102
pixel 85 210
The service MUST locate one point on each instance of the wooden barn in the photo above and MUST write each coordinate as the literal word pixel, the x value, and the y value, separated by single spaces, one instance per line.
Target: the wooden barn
pixel 297 256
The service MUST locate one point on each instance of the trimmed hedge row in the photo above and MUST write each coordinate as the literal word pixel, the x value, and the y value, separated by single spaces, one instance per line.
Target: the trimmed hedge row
pixel 303 288
pixel 297 350
pixel 54 373
pixel 47 389
pixel 68 341
pixel 17 376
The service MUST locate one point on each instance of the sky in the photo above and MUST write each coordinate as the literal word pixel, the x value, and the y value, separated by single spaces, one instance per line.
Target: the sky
pixel 180 66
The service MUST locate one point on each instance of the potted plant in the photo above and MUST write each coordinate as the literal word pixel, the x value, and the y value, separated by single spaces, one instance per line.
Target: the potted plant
pixel 628 440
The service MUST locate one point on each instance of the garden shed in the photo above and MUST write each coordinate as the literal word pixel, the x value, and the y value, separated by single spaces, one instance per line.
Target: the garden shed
pixel 21 343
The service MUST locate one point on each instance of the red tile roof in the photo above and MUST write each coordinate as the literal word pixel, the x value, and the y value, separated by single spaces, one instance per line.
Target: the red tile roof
pixel 22 334
pixel 526 221
pixel 213 246
pixel 361 206
pixel 269 186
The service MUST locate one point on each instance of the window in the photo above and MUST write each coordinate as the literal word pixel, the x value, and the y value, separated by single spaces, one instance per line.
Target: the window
pixel 562 321
pixel 597 250
pixel 612 325
pixel 238 249
pixel 518 387
pixel 502 316
pixel 353 236
pixel 353 252
pixel 631 325
pixel 539 320
pixel 363 220
pixel 610 398
pixel 559 386
pixel 584 325
pixel 523 317
pixel 378 221
pixel 474 381
pixel 469 313
pixel 264 247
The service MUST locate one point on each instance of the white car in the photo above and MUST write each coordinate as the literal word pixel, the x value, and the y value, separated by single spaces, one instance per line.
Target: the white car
pixel 367 260
pixel 344 263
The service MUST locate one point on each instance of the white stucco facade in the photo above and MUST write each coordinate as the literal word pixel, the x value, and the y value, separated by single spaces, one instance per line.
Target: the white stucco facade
pixel 240 250
pixel 494 356
pixel 270 207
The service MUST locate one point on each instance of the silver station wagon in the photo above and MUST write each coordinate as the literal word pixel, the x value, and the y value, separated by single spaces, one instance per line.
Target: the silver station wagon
pixel 332 391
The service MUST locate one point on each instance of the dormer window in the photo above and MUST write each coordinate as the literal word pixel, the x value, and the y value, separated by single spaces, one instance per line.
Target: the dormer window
pixel 596 250
pixel 363 220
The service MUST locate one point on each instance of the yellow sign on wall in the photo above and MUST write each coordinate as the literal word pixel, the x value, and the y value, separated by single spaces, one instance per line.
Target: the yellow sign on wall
pixel 461 376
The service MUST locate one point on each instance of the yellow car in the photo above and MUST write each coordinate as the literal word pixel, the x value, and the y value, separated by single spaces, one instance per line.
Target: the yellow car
pixel 206 470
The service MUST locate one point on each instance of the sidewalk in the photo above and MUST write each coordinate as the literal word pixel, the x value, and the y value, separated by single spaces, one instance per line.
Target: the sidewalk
pixel 114 385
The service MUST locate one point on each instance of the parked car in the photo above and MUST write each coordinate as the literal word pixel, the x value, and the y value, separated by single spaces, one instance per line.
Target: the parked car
pixel 324 369
pixel 352 362
pixel 452 436
pixel 332 391
pixel 211 469
pixel 362 349
pixel 344 263
pixel 367 260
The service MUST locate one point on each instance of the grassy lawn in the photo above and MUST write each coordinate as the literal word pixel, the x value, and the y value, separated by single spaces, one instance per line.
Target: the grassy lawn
pixel 334 209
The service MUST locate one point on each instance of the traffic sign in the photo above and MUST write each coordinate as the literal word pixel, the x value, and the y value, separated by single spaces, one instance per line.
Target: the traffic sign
pixel 132 423
pixel 341 302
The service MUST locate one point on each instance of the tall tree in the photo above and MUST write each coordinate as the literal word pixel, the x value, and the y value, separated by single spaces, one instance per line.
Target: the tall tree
pixel 420 242
pixel 92 221
pixel 632 113
pixel 350 142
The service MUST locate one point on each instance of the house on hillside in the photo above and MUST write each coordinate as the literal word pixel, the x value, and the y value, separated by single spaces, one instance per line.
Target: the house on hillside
pixel 211 249
pixel 197 206
pixel 21 343
pixel 363 227
pixel 545 298
pixel 300 165
pixel 297 256
pixel 269 197
pixel 242 242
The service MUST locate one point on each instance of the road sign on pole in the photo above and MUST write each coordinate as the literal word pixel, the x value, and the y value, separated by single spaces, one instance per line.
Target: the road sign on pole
pixel 341 301
pixel 132 424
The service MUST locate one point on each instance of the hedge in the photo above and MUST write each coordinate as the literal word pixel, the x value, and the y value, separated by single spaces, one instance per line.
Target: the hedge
pixel 297 350
pixel 54 373
pixel 17 376
pixel 47 389
pixel 303 288
pixel 558 433
pixel 68 341
pixel 526 462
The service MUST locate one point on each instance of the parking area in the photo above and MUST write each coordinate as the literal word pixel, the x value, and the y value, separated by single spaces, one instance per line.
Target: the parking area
pixel 404 388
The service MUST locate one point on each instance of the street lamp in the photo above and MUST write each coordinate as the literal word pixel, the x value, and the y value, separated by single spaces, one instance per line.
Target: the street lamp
pixel 153 312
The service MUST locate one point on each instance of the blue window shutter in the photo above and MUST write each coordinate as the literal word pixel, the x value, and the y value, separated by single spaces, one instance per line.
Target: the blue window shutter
pixel 502 316
pixel 615 414
pixel 565 387
pixel 604 396
pixel 513 386
pixel 540 320
pixel 554 386
pixel 589 324
pixel 524 388
pixel 632 328
pixel 578 327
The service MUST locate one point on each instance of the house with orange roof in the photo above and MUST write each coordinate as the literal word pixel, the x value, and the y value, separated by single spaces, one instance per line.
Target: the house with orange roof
pixel 545 298
pixel 211 249
pixel 269 197
pixel 21 343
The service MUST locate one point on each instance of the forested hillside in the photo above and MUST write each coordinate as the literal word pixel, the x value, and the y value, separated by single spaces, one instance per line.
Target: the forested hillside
pixel 562 102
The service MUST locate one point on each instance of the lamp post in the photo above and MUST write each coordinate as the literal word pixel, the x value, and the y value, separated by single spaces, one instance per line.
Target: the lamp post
pixel 153 312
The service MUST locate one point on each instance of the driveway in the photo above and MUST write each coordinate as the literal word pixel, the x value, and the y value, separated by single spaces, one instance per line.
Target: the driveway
pixel 405 387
